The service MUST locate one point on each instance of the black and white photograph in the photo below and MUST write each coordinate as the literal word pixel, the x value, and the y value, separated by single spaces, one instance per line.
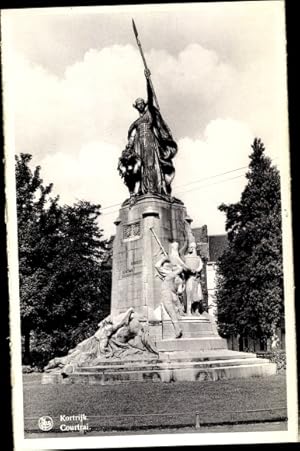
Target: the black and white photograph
pixel 148 213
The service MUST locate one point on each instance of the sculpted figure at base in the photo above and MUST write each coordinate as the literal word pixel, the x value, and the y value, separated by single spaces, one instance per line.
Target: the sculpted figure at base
pixel 123 335
pixel 193 284
pixel 109 327
pixel 172 285
pixel 150 149
pixel 119 337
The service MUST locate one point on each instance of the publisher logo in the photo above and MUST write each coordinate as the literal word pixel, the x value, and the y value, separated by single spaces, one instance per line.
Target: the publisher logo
pixel 45 423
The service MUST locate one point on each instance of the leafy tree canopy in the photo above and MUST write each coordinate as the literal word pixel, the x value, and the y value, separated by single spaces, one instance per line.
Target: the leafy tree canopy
pixel 250 273
pixel 64 291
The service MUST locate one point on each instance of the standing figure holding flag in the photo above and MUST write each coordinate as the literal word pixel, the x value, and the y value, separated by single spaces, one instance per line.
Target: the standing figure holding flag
pixel 150 141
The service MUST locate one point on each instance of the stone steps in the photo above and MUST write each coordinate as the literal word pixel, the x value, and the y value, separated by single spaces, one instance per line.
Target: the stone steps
pixel 178 356
pixel 168 371
pixel 171 365
pixel 216 354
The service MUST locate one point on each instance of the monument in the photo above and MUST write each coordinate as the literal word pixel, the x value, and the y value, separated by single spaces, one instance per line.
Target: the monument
pixel 157 329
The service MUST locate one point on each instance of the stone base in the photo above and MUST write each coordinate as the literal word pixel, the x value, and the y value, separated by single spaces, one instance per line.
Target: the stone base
pixel 139 227
pixel 191 328
pixel 191 344
pixel 202 326
pixel 200 354
pixel 170 367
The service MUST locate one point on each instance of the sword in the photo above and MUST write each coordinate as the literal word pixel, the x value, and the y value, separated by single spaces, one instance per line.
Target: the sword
pixel 158 242
pixel 144 61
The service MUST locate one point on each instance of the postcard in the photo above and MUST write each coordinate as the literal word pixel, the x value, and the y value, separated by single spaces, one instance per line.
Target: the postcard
pixel 149 225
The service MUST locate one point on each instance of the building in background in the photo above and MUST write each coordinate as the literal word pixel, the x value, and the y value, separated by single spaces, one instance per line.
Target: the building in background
pixel 210 248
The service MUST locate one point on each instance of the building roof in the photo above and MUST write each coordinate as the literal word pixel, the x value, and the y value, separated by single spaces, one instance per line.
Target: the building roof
pixel 217 245
pixel 200 234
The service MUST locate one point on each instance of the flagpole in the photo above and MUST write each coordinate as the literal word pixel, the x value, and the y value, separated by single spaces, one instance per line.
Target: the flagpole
pixel 144 61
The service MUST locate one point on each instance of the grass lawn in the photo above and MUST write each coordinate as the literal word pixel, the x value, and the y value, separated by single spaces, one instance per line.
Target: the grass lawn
pixel 150 405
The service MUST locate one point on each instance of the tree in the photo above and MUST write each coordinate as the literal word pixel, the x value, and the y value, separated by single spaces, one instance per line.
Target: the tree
pixel 250 272
pixel 63 290
pixel 31 212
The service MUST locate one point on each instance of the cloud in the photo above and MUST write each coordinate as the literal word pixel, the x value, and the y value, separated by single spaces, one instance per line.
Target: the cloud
pixel 225 145
pixel 239 31
pixel 92 174
pixel 89 103
pixel 93 100
pixel 216 164
pixel 76 125
pixel 89 175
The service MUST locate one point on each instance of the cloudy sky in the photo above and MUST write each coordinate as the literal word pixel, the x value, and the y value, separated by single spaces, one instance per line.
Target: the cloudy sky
pixel 219 71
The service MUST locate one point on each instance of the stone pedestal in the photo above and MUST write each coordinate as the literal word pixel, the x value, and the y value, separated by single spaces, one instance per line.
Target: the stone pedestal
pixel 200 354
pixel 135 282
